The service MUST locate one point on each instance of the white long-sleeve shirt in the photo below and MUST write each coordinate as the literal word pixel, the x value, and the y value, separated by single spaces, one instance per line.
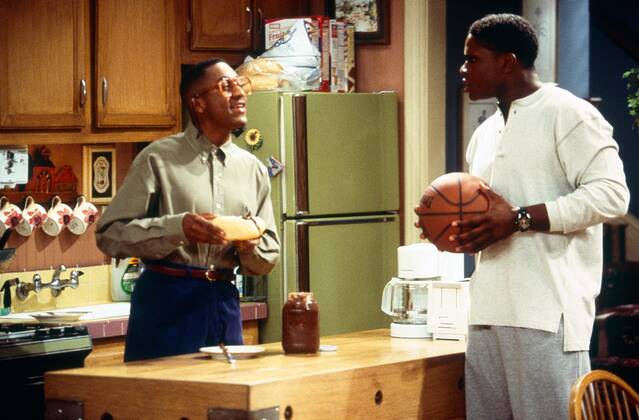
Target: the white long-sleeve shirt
pixel 555 149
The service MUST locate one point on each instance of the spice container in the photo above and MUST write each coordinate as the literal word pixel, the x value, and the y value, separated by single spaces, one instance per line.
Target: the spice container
pixel 300 324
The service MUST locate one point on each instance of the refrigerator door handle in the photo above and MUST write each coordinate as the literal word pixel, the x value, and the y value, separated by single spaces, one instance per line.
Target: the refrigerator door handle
pixel 301 155
pixel 303 268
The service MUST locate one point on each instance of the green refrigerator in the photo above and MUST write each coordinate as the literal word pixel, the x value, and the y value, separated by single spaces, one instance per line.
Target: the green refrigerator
pixel 333 160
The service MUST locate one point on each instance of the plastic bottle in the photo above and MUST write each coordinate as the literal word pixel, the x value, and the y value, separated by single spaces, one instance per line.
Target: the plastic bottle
pixel 124 273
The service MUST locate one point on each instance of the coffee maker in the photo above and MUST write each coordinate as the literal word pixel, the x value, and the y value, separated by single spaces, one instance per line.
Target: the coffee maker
pixel 406 298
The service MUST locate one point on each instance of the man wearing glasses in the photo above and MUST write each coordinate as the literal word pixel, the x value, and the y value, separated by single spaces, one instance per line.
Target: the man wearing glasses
pixel 184 299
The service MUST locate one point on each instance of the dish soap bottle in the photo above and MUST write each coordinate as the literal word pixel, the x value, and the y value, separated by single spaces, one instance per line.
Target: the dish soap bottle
pixel 124 273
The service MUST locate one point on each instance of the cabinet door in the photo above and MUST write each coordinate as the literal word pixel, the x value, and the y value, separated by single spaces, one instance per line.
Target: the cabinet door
pixel 43 64
pixel 136 64
pixel 273 9
pixel 221 25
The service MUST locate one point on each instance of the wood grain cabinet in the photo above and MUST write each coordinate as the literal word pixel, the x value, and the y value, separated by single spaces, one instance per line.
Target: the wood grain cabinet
pixel 237 25
pixel 44 64
pixel 53 78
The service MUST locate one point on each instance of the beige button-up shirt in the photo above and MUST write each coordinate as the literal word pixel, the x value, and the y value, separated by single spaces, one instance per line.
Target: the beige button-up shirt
pixel 185 173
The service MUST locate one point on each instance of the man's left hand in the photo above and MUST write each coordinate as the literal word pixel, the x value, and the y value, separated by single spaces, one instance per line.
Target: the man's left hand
pixel 497 223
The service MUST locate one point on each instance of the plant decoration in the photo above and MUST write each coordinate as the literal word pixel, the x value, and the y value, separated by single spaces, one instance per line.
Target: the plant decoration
pixel 633 93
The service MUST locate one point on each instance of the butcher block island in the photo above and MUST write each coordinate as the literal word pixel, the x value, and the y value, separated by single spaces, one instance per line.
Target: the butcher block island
pixel 369 376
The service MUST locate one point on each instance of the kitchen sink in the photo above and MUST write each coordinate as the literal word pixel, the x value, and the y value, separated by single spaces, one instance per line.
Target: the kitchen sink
pixel 93 312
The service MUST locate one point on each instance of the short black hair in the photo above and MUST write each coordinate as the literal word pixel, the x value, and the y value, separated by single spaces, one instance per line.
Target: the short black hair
pixel 194 74
pixel 507 33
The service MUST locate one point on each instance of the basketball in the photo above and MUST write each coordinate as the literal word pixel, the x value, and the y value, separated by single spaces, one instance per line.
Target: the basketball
pixel 453 196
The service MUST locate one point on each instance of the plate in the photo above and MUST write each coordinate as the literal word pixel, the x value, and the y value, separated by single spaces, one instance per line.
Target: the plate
pixel 238 352
pixel 58 317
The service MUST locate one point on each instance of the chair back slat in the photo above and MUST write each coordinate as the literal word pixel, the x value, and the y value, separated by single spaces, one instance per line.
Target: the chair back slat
pixel 607 401
pixel 601 395
pixel 618 403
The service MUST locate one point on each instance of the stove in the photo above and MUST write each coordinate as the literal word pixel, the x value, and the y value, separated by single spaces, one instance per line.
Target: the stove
pixel 27 351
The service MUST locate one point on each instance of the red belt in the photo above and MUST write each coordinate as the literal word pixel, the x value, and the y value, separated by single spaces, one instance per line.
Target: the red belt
pixel 210 275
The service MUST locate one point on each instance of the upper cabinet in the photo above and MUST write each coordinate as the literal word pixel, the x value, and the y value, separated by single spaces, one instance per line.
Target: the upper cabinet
pixel 44 64
pixel 49 91
pixel 236 25
pixel 135 63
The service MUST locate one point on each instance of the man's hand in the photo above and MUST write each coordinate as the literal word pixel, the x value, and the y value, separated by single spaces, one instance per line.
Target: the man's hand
pixel 198 229
pixel 497 223
pixel 246 246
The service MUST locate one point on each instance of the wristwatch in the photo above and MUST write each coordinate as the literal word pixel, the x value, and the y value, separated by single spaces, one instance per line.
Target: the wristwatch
pixel 523 221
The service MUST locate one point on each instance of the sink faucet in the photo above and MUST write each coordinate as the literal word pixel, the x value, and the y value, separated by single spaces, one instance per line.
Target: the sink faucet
pixel 56 284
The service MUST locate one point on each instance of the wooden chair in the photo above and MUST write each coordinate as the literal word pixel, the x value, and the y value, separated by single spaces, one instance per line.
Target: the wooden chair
pixel 601 395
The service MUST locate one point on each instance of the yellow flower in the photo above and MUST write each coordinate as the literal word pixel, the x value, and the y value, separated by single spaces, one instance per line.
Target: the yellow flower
pixel 253 138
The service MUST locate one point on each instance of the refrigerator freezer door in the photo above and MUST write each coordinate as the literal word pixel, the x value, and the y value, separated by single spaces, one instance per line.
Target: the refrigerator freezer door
pixel 343 150
pixel 345 263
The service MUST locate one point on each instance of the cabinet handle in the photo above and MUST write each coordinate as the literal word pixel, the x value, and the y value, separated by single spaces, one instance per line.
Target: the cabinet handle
pixel 250 19
pixel 260 20
pixel 105 91
pixel 83 92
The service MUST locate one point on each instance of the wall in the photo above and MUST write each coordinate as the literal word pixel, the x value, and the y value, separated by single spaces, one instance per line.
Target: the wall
pixel 606 82
pixel 40 251
pixel 460 14
pixel 573 42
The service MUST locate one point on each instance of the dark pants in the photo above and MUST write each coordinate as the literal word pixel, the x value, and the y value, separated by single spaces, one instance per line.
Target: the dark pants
pixel 176 315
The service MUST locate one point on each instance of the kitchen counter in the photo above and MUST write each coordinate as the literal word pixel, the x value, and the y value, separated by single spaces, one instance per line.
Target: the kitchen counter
pixel 371 375
pixel 111 319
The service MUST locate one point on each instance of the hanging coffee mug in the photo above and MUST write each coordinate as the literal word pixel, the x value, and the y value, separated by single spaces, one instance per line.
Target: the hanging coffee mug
pixel 33 216
pixel 10 215
pixel 58 217
pixel 84 214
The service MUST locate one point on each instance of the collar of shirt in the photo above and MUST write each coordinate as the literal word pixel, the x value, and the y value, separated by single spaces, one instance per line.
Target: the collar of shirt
pixel 203 147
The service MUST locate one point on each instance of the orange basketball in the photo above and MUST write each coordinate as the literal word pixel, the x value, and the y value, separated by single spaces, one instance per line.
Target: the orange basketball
pixel 453 196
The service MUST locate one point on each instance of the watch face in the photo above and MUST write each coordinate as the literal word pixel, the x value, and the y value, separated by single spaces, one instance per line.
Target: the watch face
pixel 523 220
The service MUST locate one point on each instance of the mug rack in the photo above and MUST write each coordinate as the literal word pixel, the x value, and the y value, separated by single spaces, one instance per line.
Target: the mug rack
pixel 44 198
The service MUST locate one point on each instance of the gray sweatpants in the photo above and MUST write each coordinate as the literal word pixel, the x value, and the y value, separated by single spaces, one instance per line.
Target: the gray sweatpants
pixel 519 373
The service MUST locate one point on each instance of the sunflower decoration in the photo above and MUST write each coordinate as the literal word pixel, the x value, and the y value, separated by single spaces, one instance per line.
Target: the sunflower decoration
pixel 253 138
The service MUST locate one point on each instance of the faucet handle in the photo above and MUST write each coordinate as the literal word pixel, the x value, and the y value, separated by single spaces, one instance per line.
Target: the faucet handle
pixel 37 282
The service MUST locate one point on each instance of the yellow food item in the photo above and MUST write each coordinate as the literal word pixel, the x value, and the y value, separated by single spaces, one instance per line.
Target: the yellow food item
pixel 238 228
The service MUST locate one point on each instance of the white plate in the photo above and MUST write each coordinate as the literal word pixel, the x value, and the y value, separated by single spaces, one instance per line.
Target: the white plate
pixel 238 352
pixel 58 317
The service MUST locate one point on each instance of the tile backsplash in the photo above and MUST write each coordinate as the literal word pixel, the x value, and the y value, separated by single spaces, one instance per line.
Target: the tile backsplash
pixel 94 288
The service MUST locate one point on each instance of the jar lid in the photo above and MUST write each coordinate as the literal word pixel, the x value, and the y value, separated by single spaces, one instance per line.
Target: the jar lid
pixel 300 295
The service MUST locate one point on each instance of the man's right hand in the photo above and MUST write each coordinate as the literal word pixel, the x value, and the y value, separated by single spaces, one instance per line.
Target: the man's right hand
pixel 198 228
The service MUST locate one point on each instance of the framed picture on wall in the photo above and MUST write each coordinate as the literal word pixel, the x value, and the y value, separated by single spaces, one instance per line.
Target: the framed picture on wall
pixel 98 173
pixel 542 15
pixel 472 114
pixel 371 18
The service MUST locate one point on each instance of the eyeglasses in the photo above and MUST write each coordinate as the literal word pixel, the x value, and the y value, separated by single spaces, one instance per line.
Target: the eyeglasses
pixel 226 85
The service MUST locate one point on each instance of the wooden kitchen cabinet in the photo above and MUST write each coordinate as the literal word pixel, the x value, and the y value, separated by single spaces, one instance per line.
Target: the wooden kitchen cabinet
pixel 136 68
pixel 49 91
pixel 237 25
pixel 44 64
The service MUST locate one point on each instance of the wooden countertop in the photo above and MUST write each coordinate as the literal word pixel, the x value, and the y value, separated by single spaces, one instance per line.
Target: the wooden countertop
pixel 369 376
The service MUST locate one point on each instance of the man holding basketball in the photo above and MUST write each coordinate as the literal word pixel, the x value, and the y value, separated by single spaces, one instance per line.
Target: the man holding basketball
pixel 554 175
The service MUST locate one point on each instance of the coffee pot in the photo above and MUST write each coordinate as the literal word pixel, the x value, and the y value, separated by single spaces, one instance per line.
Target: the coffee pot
pixel 405 297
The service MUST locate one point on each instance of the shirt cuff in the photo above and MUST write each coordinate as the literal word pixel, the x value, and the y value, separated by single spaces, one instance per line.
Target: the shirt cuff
pixel 174 231
pixel 554 217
